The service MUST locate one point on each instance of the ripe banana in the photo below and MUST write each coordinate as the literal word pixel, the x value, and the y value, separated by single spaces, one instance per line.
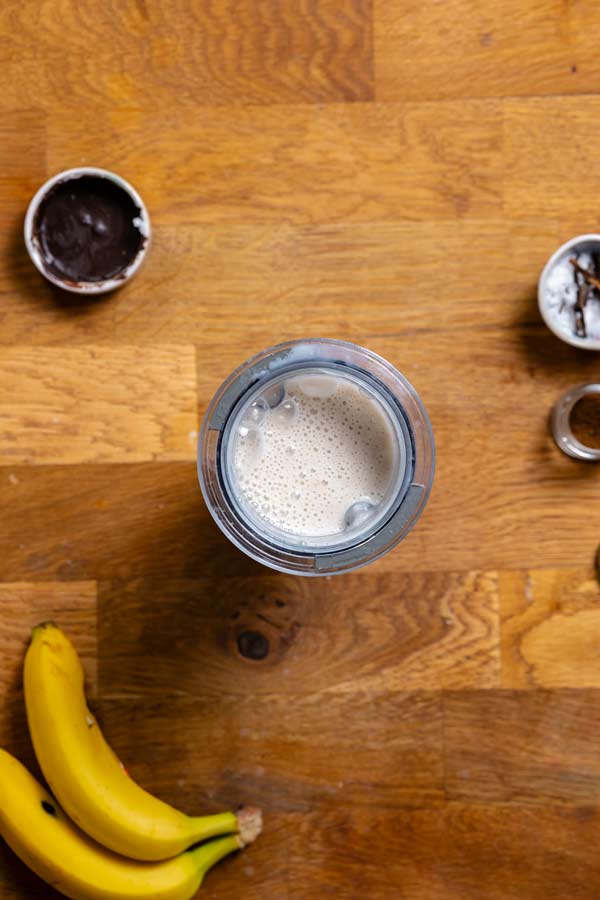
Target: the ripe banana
pixel 35 827
pixel 83 772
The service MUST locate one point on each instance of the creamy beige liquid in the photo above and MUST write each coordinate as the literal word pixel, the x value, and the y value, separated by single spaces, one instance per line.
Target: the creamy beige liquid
pixel 315 456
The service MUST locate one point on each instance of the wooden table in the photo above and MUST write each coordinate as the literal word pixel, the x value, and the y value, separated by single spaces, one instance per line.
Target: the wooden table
pixel 393 173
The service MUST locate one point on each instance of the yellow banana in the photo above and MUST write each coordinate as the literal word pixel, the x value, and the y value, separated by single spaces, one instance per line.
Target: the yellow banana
pixel 83 772
pixel 36 828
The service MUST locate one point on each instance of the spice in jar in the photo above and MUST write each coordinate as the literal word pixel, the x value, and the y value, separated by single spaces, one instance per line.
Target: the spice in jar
pixel 584 420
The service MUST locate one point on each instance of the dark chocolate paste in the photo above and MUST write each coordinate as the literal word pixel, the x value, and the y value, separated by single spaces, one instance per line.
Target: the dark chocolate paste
pixel 85 229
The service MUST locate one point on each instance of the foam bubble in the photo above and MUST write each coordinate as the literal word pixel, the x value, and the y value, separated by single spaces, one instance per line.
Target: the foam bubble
pixel 286 412
pixel 256 412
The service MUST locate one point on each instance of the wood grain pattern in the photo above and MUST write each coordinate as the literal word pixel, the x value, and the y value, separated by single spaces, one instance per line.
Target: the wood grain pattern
pixel 415 632
pixel 554 175
pixel 550 629
pixel 63 405
pixel 475 851
pixel 299 164
pixel 22 147
pixel 22 170
pixel 182 53
pixel 537 747
pixel 387 172
pixel 115 520
pixel 347 280
pixel 478 48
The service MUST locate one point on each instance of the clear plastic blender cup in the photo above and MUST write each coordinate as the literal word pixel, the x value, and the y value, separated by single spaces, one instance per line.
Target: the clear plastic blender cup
pixel 370 529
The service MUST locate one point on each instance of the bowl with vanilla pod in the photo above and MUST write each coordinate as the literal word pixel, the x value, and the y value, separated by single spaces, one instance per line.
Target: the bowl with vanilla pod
pixel 569 292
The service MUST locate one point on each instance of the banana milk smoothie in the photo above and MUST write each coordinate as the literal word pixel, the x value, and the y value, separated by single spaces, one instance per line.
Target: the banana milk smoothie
pixel 318 463
pixel 316 457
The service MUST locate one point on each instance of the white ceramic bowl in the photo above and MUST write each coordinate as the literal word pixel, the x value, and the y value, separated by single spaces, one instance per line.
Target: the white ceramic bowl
pixel 86 287
pixel 581 244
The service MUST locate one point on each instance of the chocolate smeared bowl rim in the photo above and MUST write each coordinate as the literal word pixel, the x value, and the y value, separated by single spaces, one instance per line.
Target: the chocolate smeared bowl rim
pixel 34 249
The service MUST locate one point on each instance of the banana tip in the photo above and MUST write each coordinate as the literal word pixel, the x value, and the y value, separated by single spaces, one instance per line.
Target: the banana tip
pixel 249 824
pixel 42 626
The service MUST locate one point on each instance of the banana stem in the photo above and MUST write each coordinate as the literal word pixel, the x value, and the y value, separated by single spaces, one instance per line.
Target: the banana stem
pixel 213 826
pixel 249 820
pixel 208 854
